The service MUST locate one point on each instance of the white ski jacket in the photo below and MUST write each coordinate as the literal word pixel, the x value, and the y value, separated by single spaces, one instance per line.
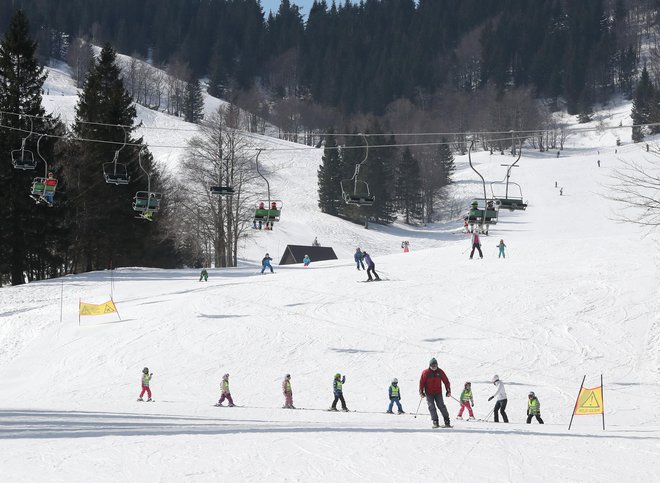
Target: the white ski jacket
pixel 500 394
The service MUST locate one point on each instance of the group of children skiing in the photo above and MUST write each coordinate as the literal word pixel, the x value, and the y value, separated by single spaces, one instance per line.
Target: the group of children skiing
pixel 430 387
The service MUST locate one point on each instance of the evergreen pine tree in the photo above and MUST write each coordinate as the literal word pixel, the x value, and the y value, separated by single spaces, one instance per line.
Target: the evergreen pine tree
pixel 330 176
pixel 194 102
pixel 408 188
pixel 447 166
pixel 106 232
pixel 642 108
pixel 26 230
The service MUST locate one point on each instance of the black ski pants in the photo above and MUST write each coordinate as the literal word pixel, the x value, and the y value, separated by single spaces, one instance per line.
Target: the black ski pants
pixel 478 247
pixel 500 406
pixel 538 418
pixel 372 269
pixel 434 400
pixel 339 397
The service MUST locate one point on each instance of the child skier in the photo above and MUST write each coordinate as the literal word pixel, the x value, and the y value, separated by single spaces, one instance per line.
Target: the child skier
pixel 224 392
pixel 146 378
pixel 466 401
pixel 307 261
pixel 533 408
pixel 476 244
pixel 288 393
pixel 204 275
pixel 501 246
pixel 359 258
pixel 265 263
pixel 395 397
pixel 337 389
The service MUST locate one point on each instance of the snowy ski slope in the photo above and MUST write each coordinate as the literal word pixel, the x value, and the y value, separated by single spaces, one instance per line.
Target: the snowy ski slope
pixel 576 295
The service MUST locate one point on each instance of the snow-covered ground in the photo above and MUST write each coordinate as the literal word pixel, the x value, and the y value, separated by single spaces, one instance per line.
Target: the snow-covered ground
pixel 577 294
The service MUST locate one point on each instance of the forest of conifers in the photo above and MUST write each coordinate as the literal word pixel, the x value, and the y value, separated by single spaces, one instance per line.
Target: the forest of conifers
pixel 359 57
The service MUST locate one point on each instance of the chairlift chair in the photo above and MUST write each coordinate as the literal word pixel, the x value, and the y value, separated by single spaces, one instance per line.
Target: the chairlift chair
pixel 146 201
pixel 116 173
pixel 483 214
pixel 265 212
pixel 511 203
pixel 359 195
pixel 23 158
pixel 221 190
pixel 43 188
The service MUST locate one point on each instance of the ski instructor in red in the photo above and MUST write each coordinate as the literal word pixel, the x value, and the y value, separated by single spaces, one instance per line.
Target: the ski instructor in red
pixel 430 385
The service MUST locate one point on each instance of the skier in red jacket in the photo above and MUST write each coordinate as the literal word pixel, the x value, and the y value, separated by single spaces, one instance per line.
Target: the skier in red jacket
pixel 430 386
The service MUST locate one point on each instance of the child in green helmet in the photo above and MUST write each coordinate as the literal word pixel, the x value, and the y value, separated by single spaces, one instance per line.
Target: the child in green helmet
pixel 337 389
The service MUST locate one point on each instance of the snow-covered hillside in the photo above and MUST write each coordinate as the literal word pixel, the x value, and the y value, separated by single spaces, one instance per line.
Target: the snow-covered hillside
pixel 576 295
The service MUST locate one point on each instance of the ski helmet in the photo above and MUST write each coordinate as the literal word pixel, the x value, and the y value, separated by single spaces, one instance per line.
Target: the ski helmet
pixel 337 376
pixel 531 394
pixel 288 376
pixel 395 381
pixel 145 370
pixel 226 376
pixel 433 362
pixel 468 384
pixel 496 378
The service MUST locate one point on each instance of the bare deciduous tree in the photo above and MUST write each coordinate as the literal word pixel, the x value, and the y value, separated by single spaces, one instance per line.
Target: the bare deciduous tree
pixel 219 156
pixel 637 188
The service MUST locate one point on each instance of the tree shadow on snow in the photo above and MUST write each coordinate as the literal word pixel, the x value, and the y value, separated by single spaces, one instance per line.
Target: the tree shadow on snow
pixel 29 424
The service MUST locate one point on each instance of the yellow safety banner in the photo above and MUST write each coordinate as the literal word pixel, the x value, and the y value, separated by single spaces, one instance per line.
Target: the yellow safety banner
pixel 590 401
pixel 98 309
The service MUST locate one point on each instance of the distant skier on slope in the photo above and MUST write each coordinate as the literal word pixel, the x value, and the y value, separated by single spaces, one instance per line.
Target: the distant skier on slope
pixel 533 408
pixel 307 261
pixel 224 392
pixel 359 258
pixel 265 263
pixel 146 379
pixel 288 393
pixel 430 386
pixel 467 402
pixel 501 246
pixel 338 391
pixel 395 397
pixel 371 267
pixel 500 400
pixel 476 244
pixel 204 275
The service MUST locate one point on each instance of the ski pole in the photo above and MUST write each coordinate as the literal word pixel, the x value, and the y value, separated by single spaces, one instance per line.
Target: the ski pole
pixel 420 403
pixel 486 418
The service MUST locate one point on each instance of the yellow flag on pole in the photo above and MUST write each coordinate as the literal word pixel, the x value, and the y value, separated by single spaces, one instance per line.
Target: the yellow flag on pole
pixel 97 309
pixel 590 401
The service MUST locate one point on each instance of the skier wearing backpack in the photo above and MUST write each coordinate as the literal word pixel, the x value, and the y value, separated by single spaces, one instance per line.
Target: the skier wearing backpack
pixel 146 379
pixel 288 393
pixel 430 386
pixel 466 401
pixel 395 397
pixel 338 391
pixel 476 244
pixel 224 392
pixel 533 408
pixel 500 400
